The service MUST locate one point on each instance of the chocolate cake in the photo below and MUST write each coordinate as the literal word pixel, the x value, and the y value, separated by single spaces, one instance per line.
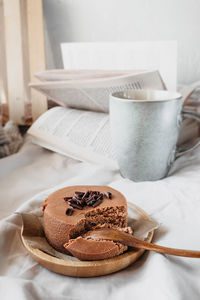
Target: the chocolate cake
pixel 71 211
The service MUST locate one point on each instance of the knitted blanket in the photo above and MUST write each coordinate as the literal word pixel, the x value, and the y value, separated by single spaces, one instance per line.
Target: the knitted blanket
pixel 10 139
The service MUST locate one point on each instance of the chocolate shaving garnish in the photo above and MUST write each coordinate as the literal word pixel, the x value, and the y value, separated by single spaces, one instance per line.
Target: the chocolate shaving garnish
pixel 76 200
pixel 96 193
pixel 88 198
pixel 74 205
pixel 100 197
pixel 86 195
pixel 96 203
pixel 90 203
pixel 69 211
pixel 108 195
pixel 67 198
pixel 79 193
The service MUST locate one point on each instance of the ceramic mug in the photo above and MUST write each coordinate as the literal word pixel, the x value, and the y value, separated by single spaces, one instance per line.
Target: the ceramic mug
pixel 144 129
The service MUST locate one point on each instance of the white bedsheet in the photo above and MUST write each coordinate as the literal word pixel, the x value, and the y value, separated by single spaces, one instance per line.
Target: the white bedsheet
pixel 28 177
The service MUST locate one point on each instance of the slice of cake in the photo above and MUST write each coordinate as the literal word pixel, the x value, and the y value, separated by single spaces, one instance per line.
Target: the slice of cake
pixel 88 249
pixel 71 211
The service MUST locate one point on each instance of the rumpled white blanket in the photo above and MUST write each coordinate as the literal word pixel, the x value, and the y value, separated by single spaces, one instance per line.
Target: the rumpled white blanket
pixel 27 177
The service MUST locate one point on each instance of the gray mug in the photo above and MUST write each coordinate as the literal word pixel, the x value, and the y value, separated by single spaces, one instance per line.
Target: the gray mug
pixel 144 129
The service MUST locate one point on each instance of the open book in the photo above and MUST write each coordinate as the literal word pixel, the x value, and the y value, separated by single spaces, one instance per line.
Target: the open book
pixel 90 89
pixel 80 128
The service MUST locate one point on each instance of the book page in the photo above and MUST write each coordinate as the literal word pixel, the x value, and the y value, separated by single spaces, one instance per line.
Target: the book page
pixel 93 94
pixel 80 134
pixel 62 74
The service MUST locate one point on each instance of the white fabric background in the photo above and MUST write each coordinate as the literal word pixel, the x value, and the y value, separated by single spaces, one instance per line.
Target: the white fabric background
pixel 27 177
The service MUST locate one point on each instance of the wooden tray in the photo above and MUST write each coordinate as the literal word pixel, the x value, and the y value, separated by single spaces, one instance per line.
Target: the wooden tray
pixel 88 268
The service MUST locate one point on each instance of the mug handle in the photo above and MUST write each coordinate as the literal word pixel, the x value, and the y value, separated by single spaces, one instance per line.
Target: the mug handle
pixel 185 114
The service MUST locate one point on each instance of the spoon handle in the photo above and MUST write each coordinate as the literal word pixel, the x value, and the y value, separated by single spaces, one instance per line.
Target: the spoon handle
pixel 130 240
pixel 161 249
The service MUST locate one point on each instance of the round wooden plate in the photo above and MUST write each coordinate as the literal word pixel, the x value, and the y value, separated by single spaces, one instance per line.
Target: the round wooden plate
pixel 88 268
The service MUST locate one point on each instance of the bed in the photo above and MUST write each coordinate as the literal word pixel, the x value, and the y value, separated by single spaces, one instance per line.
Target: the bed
pixel 27 177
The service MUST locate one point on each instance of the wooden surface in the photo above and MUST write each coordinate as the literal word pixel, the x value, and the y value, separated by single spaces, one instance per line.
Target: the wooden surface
pixel 3 71
pixel 28 112
pixel 16 58
pixel 36 46
pixel 88 268
pixel 22 54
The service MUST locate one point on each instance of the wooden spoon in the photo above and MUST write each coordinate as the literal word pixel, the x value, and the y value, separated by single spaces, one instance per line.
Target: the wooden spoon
pixel 130 240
